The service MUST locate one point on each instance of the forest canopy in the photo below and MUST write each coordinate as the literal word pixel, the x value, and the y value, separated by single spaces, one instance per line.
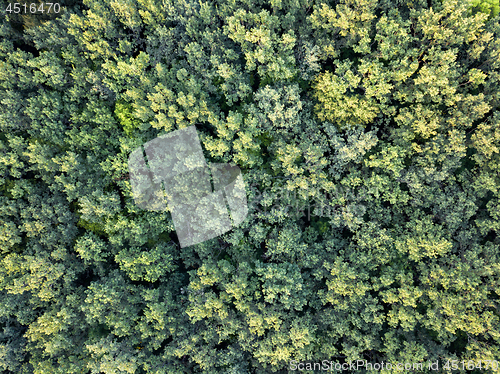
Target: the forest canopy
pixel 368 136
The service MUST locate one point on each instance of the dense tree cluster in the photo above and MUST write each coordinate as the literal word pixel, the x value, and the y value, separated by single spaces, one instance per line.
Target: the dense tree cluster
pixel 368 135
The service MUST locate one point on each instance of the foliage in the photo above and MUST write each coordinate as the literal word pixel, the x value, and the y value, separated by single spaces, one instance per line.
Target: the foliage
pixel 368 133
